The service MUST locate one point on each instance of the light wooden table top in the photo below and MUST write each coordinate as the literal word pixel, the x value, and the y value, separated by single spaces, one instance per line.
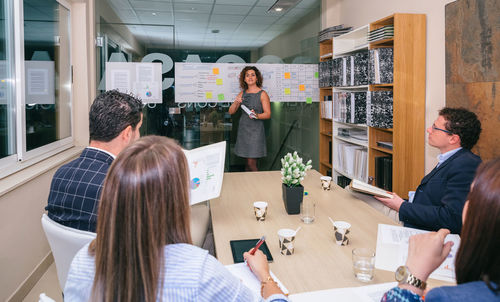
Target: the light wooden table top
pixel 317 263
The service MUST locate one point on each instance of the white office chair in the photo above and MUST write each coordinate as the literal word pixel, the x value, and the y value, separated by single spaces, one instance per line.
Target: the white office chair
pixel 200 220
pixel 64 242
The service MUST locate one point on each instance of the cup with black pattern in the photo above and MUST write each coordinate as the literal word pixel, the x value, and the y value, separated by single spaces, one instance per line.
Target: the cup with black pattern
pixel 341 229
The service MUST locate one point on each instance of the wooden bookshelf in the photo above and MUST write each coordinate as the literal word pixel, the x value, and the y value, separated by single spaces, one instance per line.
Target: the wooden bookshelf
pixel 325 129
pixel 408 133
pixel 408 87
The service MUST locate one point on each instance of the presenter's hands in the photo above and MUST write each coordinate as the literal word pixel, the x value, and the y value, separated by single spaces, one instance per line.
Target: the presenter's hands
pixel 239 99
pixel 254 115
pixel 393 203
pixel 258 264
pixel 426 252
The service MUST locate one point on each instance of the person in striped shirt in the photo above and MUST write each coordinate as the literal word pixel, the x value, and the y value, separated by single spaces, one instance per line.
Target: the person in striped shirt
pixel 143 249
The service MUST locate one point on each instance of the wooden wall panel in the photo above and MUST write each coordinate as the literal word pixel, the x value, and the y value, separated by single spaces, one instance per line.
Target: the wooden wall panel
pixel 473 66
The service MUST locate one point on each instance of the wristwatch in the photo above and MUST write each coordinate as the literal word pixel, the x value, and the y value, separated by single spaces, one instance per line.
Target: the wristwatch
pixel 403 276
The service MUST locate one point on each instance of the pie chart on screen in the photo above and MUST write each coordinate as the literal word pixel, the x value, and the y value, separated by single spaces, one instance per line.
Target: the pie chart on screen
pixel 195 183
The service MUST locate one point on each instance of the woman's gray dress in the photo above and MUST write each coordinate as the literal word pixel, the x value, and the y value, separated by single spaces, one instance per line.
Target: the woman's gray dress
pixel 251 139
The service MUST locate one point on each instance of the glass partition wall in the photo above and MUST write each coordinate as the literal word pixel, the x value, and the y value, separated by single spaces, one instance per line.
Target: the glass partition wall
pixel 198 124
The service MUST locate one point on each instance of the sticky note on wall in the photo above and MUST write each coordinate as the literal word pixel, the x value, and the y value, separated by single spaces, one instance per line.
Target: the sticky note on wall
pixel 302 87
pixel 287 90
pixel 218 81
pixel 208 95
pixel 316 74
pixel 215 70
pixel 287 75
pixel 220 96
pixel 309 100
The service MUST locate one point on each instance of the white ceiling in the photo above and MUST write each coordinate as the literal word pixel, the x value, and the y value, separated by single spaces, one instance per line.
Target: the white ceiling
pixel 242 24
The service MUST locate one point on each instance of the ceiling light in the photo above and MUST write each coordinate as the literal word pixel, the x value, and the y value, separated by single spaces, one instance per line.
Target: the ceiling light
pixel 154 14
pixel 283 5
pixel 215 31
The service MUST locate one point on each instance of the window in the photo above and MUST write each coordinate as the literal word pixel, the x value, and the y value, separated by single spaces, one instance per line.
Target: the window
pixel 35 84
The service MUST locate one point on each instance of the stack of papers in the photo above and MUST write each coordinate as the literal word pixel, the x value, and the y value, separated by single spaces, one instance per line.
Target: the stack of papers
pixel 370 293
pixel 392 251
pixel 382 33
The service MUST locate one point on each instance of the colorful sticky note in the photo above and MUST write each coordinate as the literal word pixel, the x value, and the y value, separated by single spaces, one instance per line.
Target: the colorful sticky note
pixel 287 75
pixel 287 90
pixel 316 74
pixel 309 100
pixel 302 87
pixel 220 96
pixel 215 70
pixel 218 81
pixel 208 95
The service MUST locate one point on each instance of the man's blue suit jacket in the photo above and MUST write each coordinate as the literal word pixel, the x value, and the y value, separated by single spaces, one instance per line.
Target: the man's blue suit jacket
pixel 76 189
pixel 440 197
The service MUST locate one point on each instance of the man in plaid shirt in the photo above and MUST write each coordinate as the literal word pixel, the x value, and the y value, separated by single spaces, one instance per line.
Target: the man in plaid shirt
pixel 114 122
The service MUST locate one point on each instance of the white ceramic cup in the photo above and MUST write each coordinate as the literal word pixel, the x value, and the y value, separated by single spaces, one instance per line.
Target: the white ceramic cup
pixel 326 182
pixel 286 237
pixel 341 229
pixel 260 210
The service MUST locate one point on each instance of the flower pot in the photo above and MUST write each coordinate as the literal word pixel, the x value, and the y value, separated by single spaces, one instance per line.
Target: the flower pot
pixel 292 198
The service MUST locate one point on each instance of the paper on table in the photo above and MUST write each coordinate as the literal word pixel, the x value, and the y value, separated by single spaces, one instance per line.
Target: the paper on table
pixel 242 272
pixel 248 111
pixel 206 170
pixel 392 250
pixel 370 293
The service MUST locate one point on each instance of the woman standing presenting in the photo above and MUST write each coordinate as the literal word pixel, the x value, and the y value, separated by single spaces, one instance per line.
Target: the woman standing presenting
pixel 251 138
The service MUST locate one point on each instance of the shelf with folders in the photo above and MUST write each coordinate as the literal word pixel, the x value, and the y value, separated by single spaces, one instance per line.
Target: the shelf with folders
pixel 392 94
pixel 325 128
pixel 351 160
pixel 399 145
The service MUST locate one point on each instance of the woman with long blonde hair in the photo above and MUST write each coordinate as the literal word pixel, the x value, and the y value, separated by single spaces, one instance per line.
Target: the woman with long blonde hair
pixel 143 249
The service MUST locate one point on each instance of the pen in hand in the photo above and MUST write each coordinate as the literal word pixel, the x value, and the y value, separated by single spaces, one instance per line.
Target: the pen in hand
pixel 259 243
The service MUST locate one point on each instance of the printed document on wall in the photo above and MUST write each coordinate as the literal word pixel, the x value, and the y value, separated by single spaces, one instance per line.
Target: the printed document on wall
pixel 206 170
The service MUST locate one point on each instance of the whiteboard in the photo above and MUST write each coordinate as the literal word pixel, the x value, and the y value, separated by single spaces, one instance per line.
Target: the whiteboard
pixel 219 82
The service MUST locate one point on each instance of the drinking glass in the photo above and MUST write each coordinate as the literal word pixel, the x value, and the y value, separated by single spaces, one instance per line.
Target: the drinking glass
pixel 363 261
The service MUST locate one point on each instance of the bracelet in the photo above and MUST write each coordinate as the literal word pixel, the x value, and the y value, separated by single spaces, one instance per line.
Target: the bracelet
pixel 263 283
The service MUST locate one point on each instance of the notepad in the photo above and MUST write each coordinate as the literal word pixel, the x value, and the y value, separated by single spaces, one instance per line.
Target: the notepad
pixel 248 111
pixel 238 247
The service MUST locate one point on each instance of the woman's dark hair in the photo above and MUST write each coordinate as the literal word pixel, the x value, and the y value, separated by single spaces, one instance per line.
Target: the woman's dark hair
pixel 243 84
pixel 478 257
pixel 112 112
pixel 144 206
pixel 463 123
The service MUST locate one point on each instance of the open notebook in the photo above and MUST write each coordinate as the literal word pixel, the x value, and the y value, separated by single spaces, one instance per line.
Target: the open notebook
pixel 242 272
pixel 362 187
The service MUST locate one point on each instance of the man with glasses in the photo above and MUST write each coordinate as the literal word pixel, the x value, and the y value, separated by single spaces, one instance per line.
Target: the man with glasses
pixel 439 199
pixel 114 122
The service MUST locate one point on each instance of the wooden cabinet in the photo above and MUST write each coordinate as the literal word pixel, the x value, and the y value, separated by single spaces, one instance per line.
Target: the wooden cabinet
pixel 408 91
pixel 325 123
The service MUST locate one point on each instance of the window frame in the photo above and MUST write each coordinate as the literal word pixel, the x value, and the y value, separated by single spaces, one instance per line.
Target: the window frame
pixel 22 158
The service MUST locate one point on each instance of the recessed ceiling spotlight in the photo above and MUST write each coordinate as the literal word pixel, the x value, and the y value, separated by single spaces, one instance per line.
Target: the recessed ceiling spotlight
pixel 215 31
pixel 154 14
pixel 283 5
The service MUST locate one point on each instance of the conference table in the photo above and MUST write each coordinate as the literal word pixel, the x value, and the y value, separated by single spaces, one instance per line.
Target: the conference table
pixel 318 262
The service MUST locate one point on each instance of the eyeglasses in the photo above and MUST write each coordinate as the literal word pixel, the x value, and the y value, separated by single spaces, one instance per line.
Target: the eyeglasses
pixel 436 128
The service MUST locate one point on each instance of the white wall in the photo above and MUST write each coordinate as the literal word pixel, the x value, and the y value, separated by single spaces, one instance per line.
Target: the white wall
pixel 360 12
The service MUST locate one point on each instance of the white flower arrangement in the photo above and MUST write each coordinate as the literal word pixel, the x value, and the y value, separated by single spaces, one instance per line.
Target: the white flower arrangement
pixel 293 170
